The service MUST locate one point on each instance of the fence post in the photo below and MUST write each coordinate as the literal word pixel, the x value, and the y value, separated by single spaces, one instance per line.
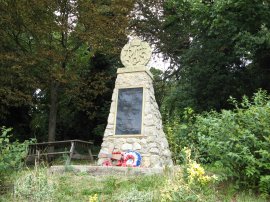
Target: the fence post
pixel 71 151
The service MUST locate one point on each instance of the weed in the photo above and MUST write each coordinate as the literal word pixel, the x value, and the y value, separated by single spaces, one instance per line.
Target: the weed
pixel 35 186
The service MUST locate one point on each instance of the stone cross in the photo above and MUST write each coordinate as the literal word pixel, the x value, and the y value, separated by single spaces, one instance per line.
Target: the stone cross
pixel 136 54
pixel 134 122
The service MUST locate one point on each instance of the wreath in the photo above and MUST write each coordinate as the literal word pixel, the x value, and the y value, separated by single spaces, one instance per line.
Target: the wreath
pixel 132 158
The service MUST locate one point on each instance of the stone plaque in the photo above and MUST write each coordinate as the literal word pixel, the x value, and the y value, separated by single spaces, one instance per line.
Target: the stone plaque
pixel 129 111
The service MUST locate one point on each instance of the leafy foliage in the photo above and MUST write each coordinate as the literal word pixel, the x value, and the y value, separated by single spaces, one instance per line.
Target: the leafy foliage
pixel 58 63
pixel 179 133
pixel 217 48
pixel 12 154
pixel 265 185
pixel 190 183
pixel 237 140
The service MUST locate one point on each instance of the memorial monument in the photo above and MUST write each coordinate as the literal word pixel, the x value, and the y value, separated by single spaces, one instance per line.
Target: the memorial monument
pixel 134 122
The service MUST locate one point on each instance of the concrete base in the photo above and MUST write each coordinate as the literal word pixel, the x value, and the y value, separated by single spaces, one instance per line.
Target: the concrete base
pixel 106 171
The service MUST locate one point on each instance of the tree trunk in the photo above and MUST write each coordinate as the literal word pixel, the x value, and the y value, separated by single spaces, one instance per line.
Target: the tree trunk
pixel 53 110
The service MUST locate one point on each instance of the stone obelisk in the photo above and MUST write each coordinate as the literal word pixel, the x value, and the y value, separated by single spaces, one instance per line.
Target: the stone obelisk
pixel 134 122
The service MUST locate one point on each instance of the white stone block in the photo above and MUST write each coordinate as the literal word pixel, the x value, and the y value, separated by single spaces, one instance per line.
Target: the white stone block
pixel 118 141
pixel 152 145
pixel 167 153
pixel 149 116
pixel 151 139
pixel 148 122
pixel 109 126
pixel 136 146
pixel 154 151
pixel 143 141
pixel 108 132
pixel 126 147
pixel 111 118
pixel 155 161
pixel 146 161
pixel 104 151
pixel 131 140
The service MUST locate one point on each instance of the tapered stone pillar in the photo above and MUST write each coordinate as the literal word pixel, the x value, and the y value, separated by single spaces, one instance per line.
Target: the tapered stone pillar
pixel 134 122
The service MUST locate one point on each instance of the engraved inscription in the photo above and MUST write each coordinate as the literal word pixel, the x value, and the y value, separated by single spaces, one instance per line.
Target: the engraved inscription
pixel 129 111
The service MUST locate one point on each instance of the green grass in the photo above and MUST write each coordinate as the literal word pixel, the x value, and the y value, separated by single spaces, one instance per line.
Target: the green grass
pixel 78 187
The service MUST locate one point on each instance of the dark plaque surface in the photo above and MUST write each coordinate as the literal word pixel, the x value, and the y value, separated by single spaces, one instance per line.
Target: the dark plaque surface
pixel 129 111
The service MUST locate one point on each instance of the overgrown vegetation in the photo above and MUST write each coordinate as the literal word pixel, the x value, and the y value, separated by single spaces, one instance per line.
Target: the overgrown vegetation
pixel 34 185
pixel 12 155
pixel 234 145
pixel 190 182
pixel 57 76
pixel 236 141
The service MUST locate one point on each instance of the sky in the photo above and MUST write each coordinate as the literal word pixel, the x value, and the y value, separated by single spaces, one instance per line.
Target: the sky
pixel 157 61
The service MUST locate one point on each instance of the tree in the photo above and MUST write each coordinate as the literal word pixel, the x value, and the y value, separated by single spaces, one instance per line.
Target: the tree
pixel 218 48
pixel 50 39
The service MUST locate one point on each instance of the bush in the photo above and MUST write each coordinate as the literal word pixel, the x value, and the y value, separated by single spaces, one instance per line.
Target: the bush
pixel 238 140
pixel 11 154
pixel 265 185
pixel 179 131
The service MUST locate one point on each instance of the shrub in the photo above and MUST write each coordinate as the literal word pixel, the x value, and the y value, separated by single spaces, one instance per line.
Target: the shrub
pixel 238 140
pixel 11 154
pixel 265 185
pixel 178 129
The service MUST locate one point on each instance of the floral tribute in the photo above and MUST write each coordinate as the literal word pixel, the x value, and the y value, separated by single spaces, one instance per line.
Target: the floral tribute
pixel 124 159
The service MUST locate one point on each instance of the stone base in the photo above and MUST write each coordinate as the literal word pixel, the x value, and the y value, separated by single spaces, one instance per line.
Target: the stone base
pixel 107 171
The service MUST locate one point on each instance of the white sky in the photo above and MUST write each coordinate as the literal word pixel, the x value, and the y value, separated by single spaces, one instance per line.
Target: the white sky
pixel 157 61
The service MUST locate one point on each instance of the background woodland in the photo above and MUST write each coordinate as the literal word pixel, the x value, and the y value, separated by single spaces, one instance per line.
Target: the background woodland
pixel 58 62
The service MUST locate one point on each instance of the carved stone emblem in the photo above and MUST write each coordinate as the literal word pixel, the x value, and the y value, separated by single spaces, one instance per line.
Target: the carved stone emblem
pixel 136 53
